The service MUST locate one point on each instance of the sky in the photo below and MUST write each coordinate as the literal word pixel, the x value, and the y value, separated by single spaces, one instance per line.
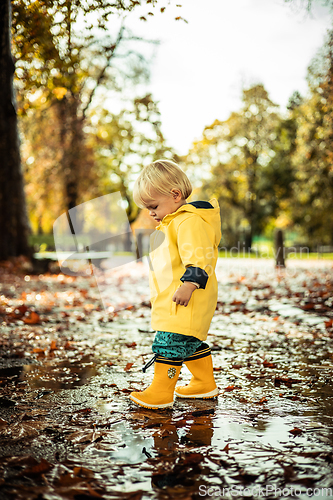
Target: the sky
pixel 200 67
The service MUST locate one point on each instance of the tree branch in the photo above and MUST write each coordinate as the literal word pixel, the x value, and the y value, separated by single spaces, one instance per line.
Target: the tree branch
pixel 102 72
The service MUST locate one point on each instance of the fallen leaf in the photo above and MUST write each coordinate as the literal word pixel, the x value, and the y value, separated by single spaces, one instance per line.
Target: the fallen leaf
pixel 69 346
pixel 85 437
pixel 38 350
pixel 201 413
pixel 82 472
pixel 32 319
pixel 167 430
pixel 18 312
pixel 132 344
pixel 192 459
pixel 23 430
pixel 53 345
pixel 269 364
pixel 84 410
pixel 288 381
pixel 296 431
pixel 93 493
pixel 231 388
pixel 262 400
pixel 38 469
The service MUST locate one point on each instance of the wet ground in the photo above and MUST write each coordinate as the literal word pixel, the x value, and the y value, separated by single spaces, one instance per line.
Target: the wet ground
pixel 70 359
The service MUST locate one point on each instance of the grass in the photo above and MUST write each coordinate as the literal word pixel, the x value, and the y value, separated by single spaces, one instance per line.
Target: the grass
pixel 312 255
pixel 42 242
pixel 270 255
pixel 45 242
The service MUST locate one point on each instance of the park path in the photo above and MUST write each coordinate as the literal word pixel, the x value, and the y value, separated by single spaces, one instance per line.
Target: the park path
pixel 69 360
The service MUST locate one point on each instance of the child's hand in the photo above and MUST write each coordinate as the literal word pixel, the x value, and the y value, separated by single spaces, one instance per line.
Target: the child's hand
pixel 183 293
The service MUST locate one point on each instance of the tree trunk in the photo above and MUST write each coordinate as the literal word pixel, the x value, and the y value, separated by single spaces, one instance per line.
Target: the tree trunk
pixel 248 240
pixel 73 155
pixel 14 223
pixel 139 246
pixel 279 249
pixel 70 139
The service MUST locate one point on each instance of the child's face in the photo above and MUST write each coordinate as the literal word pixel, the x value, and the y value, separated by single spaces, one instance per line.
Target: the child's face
pixel 162 205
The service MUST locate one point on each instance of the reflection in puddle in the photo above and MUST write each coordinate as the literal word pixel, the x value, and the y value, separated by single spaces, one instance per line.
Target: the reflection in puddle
pixel 275 432
pixel 133 447
pixel 64 375
pixel 106 407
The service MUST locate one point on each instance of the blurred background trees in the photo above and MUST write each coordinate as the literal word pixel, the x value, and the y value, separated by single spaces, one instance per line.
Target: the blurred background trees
pixel 269 169
pixel 122 142
pixel 67 62
pixel 239 150
pixel 313 157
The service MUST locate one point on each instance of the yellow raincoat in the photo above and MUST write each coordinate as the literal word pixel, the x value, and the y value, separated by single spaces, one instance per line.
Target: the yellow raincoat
pixel 184 248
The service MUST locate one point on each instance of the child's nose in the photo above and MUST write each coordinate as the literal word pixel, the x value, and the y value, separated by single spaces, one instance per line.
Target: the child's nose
pixel 152 213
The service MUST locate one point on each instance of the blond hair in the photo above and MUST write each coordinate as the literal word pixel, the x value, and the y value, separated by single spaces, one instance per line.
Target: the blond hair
pixel 161 176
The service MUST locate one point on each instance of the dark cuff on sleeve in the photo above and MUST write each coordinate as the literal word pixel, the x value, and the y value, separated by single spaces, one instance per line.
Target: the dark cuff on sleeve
pixel 195 274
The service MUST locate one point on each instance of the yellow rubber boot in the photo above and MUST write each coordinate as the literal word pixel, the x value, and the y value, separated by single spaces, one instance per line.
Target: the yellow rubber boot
pixel 202 384
pixel 160 393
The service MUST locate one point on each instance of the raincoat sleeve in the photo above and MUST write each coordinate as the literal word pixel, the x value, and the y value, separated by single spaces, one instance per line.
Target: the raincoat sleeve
pixel 195 240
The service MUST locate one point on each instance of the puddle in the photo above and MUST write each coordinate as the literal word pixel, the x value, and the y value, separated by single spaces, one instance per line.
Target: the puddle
pixel 136 448
pixel 271 425
pixel 274 431
pixel 51 375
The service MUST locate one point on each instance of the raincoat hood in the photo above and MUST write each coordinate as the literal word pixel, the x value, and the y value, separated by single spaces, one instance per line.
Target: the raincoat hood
pixel 209 215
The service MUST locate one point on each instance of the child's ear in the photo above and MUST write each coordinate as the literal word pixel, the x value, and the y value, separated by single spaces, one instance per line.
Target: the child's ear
pixel 176 194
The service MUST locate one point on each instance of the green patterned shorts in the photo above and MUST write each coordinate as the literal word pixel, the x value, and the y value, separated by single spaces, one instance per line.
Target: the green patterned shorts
pixel 174 345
